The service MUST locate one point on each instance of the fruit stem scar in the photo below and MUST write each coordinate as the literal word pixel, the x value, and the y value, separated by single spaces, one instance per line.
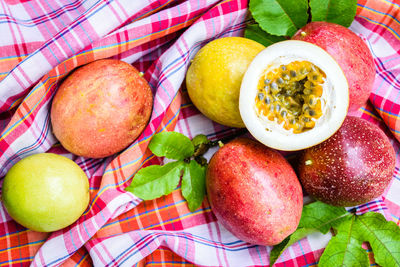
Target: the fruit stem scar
pixel 308 162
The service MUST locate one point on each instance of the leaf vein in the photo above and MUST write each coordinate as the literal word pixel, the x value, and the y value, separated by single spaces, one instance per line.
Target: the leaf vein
pixel 287 15
pixel 377 239
pixel 348 239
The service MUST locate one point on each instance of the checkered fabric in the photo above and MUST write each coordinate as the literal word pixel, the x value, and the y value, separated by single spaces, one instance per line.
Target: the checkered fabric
pixel 43 41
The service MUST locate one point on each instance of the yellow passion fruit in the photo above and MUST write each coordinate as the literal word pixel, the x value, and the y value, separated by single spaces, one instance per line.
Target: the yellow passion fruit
pixel 214 78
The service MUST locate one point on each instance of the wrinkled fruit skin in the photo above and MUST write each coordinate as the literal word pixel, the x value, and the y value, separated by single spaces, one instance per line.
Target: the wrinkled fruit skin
pixel 254 192
pixel 45 192
pixel 352 167
pixel 214 77
pixel 101 108
pixel 350 52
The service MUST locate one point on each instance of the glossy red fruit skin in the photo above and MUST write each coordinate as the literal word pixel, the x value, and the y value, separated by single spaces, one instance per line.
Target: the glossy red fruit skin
pixel 352 167
pixel 349 51
pixel 254 192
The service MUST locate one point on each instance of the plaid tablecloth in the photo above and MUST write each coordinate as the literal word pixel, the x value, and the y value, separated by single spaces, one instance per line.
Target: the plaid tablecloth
pixel 42 41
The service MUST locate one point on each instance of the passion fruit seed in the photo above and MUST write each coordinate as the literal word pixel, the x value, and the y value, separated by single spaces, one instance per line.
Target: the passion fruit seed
pixel 291 94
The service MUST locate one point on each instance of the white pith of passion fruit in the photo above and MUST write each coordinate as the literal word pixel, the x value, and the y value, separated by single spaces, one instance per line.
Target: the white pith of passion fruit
pixel 281 121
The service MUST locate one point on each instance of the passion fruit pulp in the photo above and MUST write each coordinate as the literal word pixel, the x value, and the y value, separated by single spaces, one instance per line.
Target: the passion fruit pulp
pixel 293 95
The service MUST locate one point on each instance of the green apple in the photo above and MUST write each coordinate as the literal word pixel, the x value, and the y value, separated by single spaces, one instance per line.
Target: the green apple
pixel 45 192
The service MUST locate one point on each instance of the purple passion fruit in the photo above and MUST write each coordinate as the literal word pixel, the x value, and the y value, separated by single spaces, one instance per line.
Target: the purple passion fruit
pixel 352 167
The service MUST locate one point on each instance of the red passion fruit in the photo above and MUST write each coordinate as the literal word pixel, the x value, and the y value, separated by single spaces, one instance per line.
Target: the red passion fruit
pixel 101 108
pixel 254 192
pixel 350 52
pixel 352 167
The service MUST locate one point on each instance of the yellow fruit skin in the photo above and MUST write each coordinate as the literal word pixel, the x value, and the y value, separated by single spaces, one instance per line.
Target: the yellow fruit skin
pixel 45 192
pixel 214 78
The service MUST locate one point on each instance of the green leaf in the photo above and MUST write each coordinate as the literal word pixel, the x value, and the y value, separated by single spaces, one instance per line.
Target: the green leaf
pixel 382 235
pixel 193 184
pixel 321 216
pixel 277 250
pixel 254 32
pixel 316 216
pixel 155 181
pixel 280 17
pixel 172 145
pixel 337 11
pixel 345 249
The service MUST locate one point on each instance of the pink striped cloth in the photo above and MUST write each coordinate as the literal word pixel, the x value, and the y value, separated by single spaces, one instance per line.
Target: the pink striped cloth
pixel 43 41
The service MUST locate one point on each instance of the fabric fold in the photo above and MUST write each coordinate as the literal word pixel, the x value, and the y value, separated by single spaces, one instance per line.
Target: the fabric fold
pixel 46 41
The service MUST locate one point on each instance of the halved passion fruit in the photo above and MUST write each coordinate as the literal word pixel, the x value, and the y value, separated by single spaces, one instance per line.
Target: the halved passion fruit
pixel 293 95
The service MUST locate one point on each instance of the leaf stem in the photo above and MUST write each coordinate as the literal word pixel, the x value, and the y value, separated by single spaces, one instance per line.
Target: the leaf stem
pixel 203 144
pixel 228 138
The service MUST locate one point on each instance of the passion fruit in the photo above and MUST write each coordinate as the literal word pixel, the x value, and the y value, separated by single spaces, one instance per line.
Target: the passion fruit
pixel 293 95
pixel 349 51
pixel 352 167
pixel 214 77
pixel 101 108
pixel 254 192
